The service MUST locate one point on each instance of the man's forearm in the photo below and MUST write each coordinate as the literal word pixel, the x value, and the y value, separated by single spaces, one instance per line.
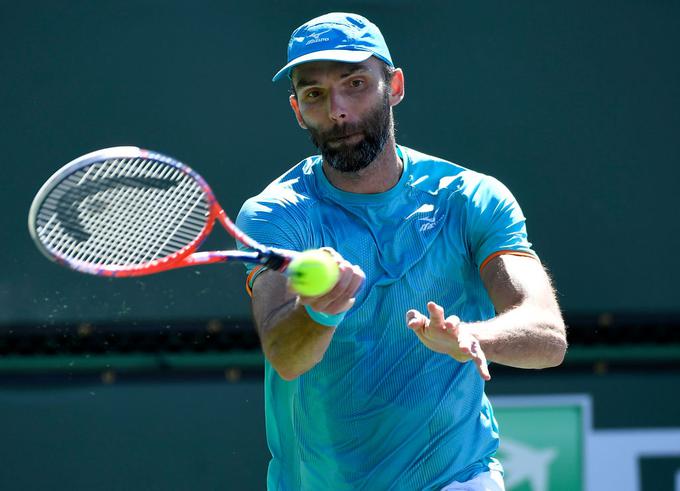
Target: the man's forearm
pixel 524 337
pixel 292 342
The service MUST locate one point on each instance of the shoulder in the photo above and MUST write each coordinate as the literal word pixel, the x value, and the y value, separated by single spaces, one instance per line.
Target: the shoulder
pixel 435 175
pixel 278 215
pixel 295 189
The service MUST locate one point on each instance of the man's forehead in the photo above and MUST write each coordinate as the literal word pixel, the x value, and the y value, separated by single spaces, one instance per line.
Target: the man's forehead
pixel 334 68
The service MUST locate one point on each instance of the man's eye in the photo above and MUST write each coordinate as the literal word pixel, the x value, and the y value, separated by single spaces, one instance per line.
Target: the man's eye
pixel 357 83
pixel 312 94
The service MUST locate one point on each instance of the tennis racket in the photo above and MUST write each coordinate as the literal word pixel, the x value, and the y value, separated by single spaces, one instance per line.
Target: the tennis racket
pixel 125 211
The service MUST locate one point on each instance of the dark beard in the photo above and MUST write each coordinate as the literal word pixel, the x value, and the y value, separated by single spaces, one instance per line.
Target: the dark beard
pixel 354 157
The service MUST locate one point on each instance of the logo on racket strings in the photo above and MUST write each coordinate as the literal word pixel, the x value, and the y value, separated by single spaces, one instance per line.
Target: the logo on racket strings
pixel 68 205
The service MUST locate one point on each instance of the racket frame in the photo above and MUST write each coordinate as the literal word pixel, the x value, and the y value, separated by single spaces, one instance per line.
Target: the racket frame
pixel 277 259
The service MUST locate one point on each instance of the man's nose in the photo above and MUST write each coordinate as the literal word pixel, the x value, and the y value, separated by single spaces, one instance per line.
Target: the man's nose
pixel 337 110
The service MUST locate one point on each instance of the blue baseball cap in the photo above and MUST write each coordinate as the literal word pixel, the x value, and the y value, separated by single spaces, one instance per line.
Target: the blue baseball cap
pixel 338 36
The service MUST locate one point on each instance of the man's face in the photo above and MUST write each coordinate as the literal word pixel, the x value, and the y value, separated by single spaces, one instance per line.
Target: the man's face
pixel 346 109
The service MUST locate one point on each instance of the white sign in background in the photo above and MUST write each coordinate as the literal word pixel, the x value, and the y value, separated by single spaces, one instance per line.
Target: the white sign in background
pixel 611 458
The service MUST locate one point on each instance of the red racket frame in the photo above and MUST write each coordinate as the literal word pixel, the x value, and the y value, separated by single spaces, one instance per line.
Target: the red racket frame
pixel 277 259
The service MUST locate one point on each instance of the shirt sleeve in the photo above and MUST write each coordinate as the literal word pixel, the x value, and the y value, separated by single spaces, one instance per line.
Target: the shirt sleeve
pixel 495 223
pixel 270 224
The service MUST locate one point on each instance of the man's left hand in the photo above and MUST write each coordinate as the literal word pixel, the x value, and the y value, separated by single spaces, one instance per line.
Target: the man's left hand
pixel 447 335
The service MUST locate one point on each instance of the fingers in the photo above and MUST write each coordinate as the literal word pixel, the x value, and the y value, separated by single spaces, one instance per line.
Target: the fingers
pixel 482 365
pixel 469 346
pixel 436 314
pixel 451 323
pixel 437 333
pixel 341 297
pixel 416 321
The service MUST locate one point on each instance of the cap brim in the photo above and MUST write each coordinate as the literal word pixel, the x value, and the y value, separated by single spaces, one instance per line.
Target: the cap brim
pixel 341 55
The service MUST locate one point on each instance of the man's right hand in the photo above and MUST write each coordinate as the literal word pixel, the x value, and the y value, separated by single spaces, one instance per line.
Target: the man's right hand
pixel 342 297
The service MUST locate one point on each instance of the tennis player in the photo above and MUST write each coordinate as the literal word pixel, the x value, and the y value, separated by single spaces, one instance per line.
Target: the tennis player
pixel 379 384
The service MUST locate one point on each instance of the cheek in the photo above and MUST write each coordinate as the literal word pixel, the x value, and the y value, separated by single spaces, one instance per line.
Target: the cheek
pixel 306 114
pixel 314 121
pixel 306 121
pixel 309 117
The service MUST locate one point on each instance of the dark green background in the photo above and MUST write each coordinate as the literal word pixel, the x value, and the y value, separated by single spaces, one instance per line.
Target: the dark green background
pixel 574 105
pixel 73 432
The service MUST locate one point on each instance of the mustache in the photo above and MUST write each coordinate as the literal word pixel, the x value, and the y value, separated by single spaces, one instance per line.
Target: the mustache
pixel 340 131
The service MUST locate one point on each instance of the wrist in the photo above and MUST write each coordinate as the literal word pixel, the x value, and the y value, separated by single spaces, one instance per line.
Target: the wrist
pixel 329 320
pixel 484 335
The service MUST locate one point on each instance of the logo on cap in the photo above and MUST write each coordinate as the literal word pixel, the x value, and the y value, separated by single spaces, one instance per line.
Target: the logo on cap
pixel 315 37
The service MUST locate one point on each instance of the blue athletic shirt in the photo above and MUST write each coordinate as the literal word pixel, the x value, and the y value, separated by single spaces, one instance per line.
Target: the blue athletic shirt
pixel 381 411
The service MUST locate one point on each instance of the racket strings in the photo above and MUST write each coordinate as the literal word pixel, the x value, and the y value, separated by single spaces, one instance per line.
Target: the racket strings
pixel 134 246
pixel 167 218
pixel 124 230
pixel 139 241
pixel 176 231
pixel 129 233
pixel 123 212
pixel 109 227
pixel 78 248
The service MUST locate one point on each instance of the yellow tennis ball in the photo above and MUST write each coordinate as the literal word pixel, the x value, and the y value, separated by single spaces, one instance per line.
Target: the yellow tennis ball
pixel 313 273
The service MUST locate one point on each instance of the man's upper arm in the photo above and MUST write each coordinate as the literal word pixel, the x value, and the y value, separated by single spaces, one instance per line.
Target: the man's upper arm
pixel 511 280
pixel 495 224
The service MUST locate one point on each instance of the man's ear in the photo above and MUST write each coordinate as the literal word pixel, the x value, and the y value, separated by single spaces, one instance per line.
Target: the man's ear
pixel 397 89
pixel 296 109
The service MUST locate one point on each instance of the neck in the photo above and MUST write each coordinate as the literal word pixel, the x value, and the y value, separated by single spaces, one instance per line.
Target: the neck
pixel 377 177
